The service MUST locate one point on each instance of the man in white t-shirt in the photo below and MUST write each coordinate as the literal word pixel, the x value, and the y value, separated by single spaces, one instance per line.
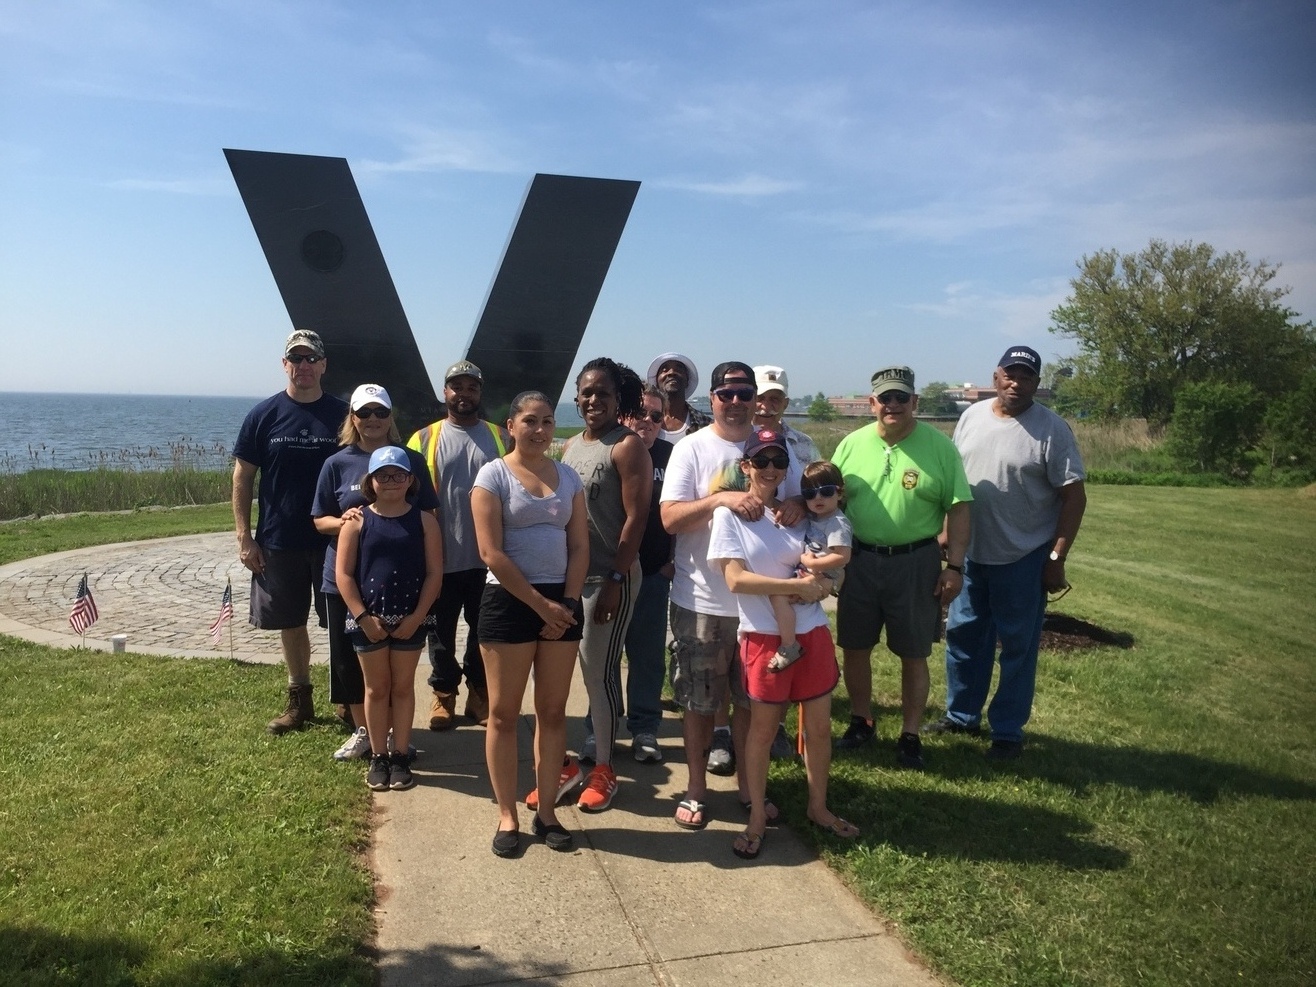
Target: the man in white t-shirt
pixel 703 474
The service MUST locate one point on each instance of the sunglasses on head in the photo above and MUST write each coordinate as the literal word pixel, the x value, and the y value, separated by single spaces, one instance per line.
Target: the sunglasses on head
pixel 825 490
pixel 728 394
pixel 762 461
pixel 364 413
pixel 299 358
pixel 894 397
pixel 649 416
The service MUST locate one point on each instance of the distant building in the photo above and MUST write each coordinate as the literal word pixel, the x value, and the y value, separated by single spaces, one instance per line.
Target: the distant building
pixel 856 406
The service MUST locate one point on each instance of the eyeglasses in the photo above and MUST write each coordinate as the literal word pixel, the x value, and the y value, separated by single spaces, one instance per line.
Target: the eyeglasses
pixel 364 413
pixel 1054 596
pixel 300 358
pixel 393 476
pixel 762 461
pixel 826 490
pixel 894 397
pixel 728 394
pixel 649 416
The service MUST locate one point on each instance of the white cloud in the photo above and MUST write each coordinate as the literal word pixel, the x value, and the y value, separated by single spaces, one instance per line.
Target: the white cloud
pixel 746 186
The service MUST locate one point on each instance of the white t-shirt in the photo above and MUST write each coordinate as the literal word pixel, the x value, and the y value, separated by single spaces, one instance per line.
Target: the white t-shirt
pixel 703 464
pixel 768 550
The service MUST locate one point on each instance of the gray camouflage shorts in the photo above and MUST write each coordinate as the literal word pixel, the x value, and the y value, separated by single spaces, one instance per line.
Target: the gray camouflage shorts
pixel 705 666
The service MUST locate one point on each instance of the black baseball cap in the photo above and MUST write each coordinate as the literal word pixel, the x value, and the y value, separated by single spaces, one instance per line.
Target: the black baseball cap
pixel 1022 356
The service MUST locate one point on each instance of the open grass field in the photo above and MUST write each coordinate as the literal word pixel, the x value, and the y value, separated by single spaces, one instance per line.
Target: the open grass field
pixel 1160 829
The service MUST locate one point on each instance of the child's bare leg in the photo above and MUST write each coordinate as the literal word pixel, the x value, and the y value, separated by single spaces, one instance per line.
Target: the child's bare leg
pixel 790 648
pixel 785 614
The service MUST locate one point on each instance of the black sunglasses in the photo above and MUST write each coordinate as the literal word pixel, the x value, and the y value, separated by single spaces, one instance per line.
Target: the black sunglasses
pixel 894 397
pixel 364 413
pixel 762 461
pixel 728 394
pixel 299 358
pixel 653 416
pixel 826 490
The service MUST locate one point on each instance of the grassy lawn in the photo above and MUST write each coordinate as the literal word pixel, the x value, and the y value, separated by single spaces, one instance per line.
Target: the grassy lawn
pixel 149 836
pixel 1161 827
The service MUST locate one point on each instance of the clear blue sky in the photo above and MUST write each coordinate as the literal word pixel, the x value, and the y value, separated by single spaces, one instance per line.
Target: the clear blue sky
pixel 829 186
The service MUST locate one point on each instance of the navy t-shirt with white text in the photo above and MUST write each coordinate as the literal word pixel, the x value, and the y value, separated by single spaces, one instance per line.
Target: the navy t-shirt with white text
pixel 289 442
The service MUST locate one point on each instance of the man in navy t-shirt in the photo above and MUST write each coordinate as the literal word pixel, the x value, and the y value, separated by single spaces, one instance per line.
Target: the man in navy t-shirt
pixel 287 438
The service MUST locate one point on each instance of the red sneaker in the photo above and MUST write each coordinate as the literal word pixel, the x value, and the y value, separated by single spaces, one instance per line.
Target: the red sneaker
pixel 599 790
pixel 570 777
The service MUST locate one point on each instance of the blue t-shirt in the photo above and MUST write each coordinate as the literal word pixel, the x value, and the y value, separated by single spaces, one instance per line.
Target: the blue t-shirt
pixel 289 442
pixel 339 490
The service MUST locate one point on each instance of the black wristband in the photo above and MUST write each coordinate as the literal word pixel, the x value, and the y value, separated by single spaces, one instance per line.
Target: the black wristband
pixel 955 568
pixel 360 617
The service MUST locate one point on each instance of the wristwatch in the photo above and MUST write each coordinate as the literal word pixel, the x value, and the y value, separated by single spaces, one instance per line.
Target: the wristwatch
pixel 1056 556
pixel 616 577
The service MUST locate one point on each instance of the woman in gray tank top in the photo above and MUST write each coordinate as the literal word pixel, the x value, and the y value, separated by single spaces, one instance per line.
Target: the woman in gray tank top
pixel 617 474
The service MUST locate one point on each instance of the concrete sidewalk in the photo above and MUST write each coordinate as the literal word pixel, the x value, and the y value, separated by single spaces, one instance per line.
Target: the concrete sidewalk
pixel 639 901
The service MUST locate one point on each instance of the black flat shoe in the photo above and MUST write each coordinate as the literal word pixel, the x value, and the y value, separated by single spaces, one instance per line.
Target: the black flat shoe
pixel 506 842
pixel 554 836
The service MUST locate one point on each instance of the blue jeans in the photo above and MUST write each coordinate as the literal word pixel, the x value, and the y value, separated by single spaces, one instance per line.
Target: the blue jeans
pixel 1004 602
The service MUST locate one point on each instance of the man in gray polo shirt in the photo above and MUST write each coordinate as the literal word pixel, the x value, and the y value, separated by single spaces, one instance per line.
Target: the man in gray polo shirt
pixel 1028 501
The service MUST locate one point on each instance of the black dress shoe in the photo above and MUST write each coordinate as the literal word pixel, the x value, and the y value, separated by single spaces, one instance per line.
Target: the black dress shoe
pixel 947 725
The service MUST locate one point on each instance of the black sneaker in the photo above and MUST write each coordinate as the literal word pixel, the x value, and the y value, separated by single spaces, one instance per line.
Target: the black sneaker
pixel 859 732
pixel 377 776
pixel 399 767
pixel 1004 750
pixel 947 725
pixel 909 751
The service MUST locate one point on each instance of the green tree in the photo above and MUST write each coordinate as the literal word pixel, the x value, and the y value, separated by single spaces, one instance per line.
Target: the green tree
pixel 1214 426
pixel 820 409
pixel 1291 424
pixel 1148 323
pixel 933 399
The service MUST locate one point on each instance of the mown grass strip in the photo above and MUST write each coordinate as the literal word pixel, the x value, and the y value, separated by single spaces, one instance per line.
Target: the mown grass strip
pixel 150 835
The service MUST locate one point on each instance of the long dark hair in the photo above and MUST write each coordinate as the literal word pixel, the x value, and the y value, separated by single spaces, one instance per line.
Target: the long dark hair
pixel 628 384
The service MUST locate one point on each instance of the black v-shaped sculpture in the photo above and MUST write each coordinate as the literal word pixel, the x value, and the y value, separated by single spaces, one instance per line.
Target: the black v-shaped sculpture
pixel 322 251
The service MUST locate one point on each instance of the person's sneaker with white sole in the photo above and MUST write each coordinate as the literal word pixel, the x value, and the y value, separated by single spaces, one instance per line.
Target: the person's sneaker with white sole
pixel 355 746
pixel 646 750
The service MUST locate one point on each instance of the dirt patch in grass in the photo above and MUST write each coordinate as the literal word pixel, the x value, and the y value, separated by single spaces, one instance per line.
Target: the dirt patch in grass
pixel 1061 632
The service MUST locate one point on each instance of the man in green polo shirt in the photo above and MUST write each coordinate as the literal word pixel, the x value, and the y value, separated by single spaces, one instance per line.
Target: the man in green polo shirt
pixel 904 484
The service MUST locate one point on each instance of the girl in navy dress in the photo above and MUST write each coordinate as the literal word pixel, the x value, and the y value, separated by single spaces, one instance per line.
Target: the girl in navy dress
pixel 389 572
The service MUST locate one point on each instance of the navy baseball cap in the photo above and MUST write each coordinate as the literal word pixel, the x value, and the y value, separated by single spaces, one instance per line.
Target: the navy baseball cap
pixel 1022 356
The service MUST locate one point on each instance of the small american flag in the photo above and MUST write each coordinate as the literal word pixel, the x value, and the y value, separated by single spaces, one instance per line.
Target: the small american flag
pixel 84 608
pixel 225 614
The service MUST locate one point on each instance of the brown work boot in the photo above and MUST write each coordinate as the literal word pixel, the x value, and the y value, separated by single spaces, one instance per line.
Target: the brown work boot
pixel 443 714
pixel 298 713
pixel 477 705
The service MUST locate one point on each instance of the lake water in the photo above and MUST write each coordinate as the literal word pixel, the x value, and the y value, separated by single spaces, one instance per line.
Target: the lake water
pixel 128 431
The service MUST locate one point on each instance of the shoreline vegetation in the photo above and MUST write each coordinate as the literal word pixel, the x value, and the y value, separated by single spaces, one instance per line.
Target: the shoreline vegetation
pixel 1125 453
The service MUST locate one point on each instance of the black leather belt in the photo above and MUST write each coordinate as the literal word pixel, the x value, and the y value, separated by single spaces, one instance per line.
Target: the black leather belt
pixel 863 546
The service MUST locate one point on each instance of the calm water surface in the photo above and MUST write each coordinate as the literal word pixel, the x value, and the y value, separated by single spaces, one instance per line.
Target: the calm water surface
pixel 128 431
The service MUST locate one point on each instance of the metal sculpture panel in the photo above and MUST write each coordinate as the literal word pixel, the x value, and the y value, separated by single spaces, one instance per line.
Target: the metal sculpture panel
pixel 322 251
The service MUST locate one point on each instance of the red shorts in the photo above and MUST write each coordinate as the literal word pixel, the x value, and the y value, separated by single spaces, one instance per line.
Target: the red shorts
pixel 812 675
